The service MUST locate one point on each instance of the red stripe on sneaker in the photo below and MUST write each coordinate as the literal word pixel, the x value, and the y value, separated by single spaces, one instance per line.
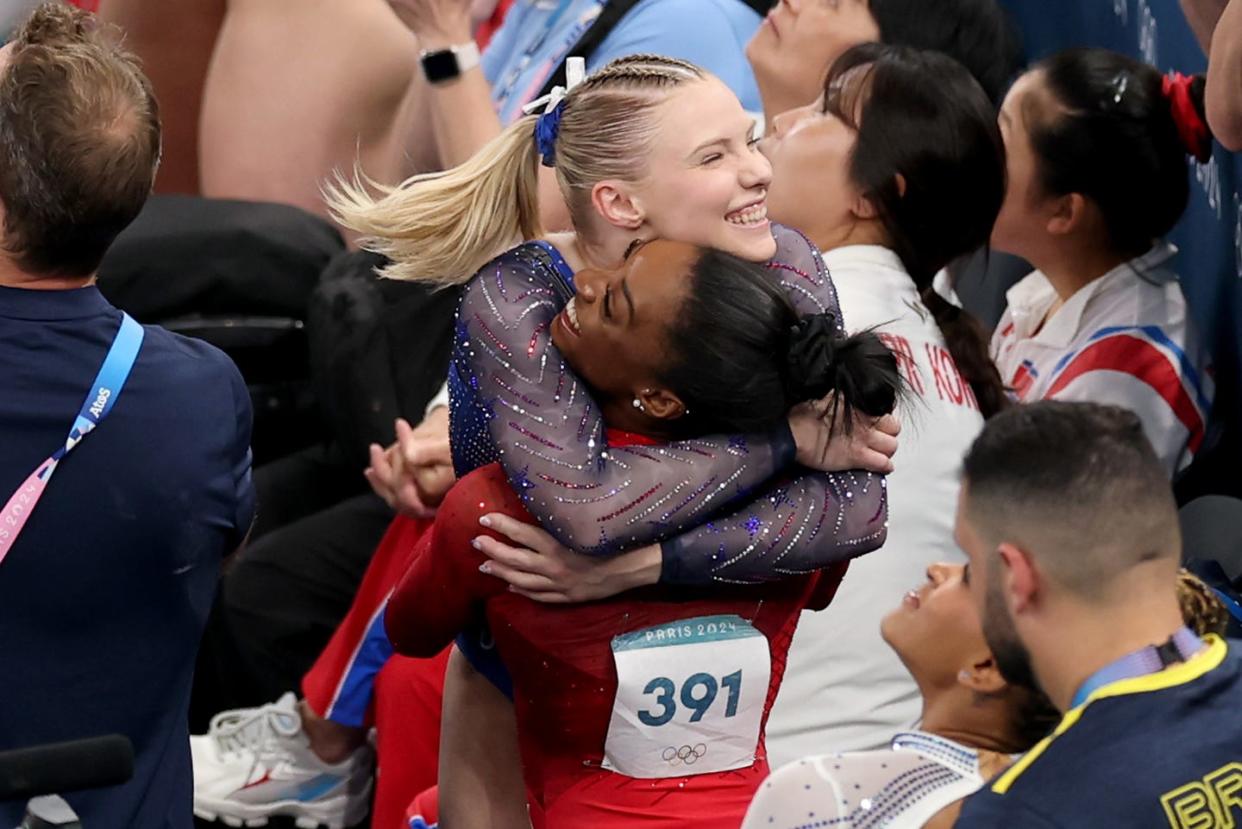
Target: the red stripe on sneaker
pixel 1144 362
pixel 267 775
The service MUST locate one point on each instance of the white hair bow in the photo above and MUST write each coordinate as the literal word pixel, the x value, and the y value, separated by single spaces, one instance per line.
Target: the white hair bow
pixel 575 73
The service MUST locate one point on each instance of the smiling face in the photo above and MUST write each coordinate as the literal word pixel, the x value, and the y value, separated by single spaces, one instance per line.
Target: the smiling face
pixel 936 629
pixel 706 182
pixel 613 332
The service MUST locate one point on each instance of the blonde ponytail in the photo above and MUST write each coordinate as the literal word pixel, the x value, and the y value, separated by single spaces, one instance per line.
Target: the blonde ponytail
pixel 443 227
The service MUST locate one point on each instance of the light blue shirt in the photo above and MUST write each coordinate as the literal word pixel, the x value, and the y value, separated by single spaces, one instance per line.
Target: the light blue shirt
pixel 538 34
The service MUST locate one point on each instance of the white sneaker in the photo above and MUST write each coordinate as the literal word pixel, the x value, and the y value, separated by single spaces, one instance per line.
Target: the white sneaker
pixel 254 763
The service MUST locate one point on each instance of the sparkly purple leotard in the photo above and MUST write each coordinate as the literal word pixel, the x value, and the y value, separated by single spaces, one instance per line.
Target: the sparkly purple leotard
pixel 710 502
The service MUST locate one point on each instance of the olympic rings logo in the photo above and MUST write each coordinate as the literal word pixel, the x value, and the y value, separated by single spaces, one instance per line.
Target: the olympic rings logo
pixel 685 754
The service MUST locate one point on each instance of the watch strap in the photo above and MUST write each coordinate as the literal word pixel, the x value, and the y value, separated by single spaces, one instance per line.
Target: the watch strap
pixel 441 65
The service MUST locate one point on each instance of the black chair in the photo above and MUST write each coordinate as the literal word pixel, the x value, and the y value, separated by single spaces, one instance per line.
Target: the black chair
pixel 1212 530
pixel 238 275
pixel 271 353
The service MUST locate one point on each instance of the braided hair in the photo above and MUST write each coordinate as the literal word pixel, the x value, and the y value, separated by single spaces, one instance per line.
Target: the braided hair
pixel 1201 609
pixel 443 227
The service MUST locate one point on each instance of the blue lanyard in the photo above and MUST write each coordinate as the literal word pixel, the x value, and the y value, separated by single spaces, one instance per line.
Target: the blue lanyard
pixel 1149 660
pixel 108 382
pixel 504 89
pixel 98 403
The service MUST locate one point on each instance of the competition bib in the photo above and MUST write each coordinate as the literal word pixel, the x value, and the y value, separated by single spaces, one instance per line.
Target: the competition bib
pixel 690 698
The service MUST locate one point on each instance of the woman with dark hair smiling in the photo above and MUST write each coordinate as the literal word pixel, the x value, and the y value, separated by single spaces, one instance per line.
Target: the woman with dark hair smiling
pixel 894 172
pixel 651 706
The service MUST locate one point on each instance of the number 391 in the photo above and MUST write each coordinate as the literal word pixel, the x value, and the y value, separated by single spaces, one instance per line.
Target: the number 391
pixel 699 701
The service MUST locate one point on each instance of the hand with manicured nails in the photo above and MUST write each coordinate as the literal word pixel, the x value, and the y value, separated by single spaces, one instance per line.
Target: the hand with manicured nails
pixel 539 567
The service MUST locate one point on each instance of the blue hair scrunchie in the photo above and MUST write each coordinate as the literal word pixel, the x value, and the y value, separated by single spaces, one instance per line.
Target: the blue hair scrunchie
pixel 546 130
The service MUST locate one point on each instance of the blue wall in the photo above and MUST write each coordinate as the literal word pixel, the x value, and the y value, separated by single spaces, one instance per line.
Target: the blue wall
pixel 1210 234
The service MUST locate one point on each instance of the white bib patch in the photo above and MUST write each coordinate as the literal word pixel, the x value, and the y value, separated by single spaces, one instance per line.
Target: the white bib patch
pixel 690 698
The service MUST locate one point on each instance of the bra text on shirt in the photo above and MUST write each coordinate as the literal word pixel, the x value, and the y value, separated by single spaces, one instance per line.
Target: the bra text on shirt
pixel 1207 802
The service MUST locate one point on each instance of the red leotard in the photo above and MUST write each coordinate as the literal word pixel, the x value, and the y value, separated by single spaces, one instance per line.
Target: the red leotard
pixel 561 663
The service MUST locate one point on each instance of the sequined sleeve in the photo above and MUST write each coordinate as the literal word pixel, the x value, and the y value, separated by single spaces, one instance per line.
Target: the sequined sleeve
pixel 514 400
pixel 807 523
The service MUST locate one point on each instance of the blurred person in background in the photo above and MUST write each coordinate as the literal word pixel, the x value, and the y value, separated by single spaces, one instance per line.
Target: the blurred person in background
pixel 1218 26
pixel 801 39
pixel 266 100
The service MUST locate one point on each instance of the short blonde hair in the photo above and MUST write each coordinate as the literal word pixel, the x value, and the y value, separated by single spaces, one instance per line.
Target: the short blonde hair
pixel 443 227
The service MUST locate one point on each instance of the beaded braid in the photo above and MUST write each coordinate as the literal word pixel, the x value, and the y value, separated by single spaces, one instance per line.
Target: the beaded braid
pixel 1202 611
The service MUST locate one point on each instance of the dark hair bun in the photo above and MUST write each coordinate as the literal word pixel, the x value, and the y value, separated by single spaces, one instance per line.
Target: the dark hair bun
pixel 860 368
pixel 810 360
pixel 1119 135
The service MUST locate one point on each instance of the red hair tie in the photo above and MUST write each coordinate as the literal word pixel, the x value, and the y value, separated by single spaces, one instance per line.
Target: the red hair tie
pixel 1194 132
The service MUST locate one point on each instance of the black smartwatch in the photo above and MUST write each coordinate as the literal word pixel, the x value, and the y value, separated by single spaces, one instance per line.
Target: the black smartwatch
pixel 440 65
